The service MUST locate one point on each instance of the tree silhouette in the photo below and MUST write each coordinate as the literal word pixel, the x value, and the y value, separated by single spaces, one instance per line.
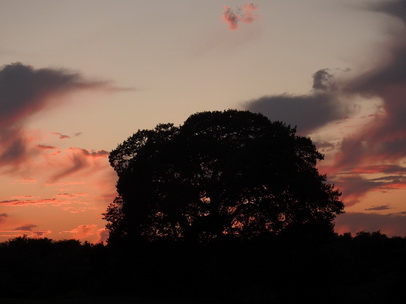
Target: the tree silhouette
pixel 230 174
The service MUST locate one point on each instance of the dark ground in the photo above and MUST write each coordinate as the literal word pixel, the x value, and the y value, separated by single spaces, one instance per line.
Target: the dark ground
pixel 368 268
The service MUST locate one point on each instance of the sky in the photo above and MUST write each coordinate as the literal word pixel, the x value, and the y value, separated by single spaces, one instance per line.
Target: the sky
pixel 79 77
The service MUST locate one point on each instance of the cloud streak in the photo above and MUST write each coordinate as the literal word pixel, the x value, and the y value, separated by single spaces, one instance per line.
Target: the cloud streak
pixel 36 202
pixel 244 14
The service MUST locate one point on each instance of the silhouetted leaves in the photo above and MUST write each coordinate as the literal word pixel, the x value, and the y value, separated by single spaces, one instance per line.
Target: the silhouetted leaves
pixel 231 174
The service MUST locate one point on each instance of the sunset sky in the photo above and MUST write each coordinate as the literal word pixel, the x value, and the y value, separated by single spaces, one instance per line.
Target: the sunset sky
pixel 78 77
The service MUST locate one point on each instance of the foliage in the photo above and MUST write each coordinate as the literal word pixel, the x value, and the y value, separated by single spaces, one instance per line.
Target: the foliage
pixel 231 174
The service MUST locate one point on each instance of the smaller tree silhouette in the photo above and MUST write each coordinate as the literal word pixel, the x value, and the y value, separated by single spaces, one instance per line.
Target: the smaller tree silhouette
pixel 224 174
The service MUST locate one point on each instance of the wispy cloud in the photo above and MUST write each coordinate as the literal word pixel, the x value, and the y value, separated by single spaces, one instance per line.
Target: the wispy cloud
pixel 243 14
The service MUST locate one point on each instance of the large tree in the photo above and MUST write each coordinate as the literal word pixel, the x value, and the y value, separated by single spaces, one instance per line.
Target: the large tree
pixel 220 174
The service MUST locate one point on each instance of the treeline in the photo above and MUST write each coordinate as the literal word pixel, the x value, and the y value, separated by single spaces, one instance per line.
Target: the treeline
pixel 365 268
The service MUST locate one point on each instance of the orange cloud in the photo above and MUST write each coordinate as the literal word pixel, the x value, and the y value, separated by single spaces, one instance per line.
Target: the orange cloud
pixel 88 232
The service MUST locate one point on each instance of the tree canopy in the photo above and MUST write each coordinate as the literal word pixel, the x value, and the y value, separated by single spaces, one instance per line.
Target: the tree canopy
pixel 230 174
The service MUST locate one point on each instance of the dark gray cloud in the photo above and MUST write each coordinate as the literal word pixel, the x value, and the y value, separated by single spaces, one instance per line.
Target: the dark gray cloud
pixel 396 8
pixel 324 104
pixel 25 91
pixel 307 112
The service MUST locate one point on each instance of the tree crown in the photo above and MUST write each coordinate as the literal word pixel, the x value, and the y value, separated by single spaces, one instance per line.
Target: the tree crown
pixel 221 174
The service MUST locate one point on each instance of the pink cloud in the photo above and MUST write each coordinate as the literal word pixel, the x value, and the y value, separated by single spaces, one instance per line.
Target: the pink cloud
pixel 230 18
pixel 244 14
pixel 74 161
pixel 248 15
